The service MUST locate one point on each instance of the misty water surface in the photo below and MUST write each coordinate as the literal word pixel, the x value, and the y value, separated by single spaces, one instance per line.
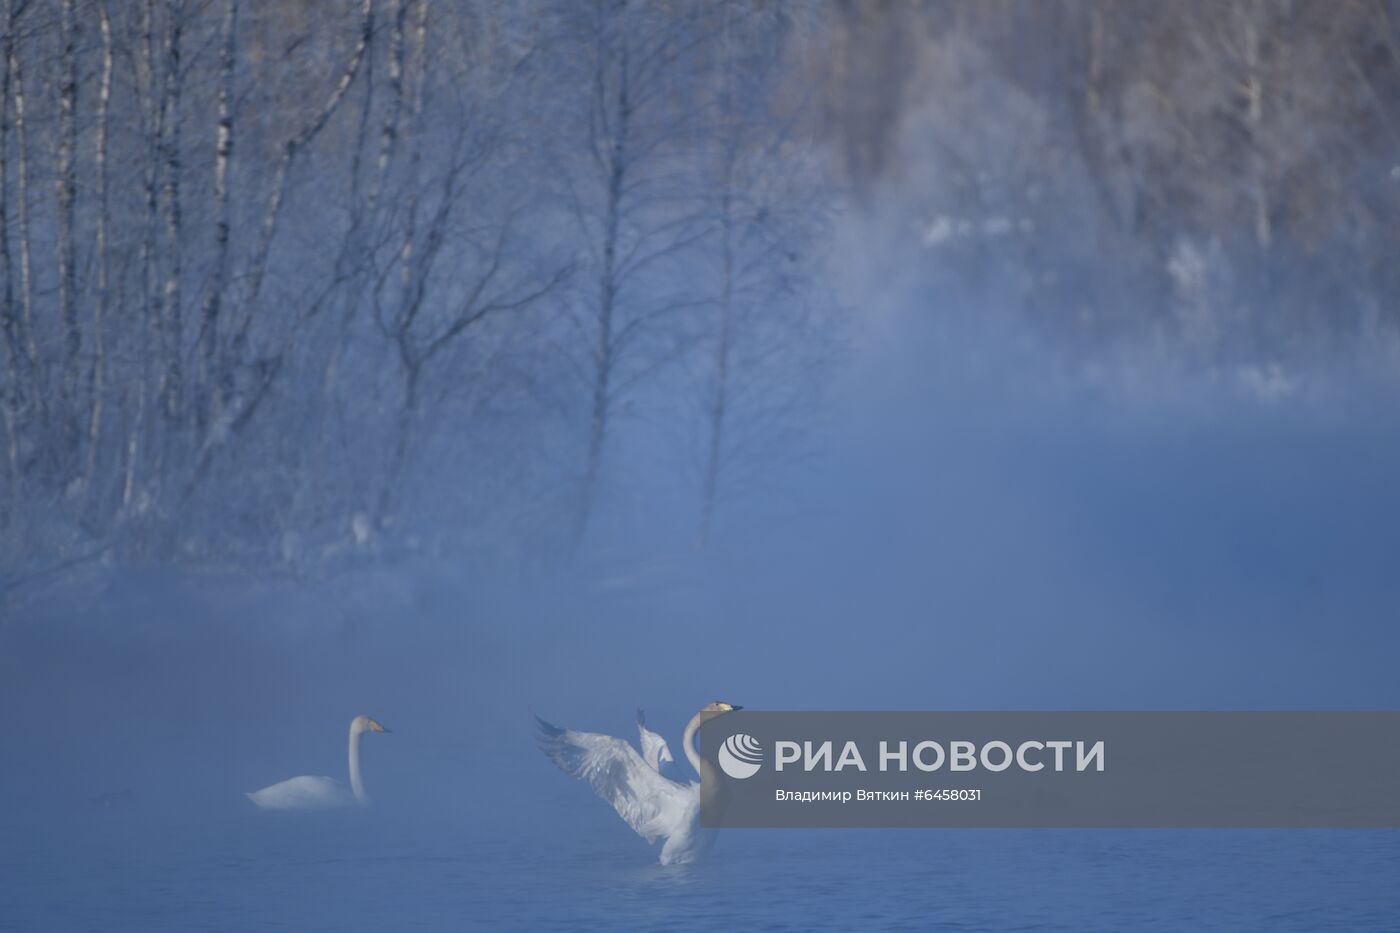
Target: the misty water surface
pixel 1058 558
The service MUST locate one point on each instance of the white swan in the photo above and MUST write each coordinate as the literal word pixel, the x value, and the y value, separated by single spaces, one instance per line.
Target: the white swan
pixel 653 805
pixel 655 751
pixel 314 793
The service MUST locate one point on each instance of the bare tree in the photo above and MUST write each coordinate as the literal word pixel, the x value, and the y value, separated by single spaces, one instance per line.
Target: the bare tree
pixel 65 185
pixel 422 315
pixel 210 402
pixel 297 145
pixel 171 298
pixel 96 389
pixel 21 126
pixel 766 342
pixel 9 317
pixel 143 460
pixel 634 204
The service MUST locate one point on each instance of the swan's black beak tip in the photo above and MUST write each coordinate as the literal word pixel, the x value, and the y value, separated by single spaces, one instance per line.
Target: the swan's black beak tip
pixel 734 706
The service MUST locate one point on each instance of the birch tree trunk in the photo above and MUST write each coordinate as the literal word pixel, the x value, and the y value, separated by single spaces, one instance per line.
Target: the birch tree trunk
pixel 173 396
pixel 409 361
pixel 9 319
pixel 354 258
pixel 416 155
pixel 141 434
pixel 389 134
pixel 26 286
pixel 96 390
pixel 294 147
pixel 210 379
pixel 65 190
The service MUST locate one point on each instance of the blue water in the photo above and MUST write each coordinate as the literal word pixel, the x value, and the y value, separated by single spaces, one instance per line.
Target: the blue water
pixel 125 871
pixel 125 749
pixel 1161 568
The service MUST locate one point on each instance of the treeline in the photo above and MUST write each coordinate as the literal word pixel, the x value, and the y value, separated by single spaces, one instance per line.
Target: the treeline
pixel 1215 180
pixel 294 280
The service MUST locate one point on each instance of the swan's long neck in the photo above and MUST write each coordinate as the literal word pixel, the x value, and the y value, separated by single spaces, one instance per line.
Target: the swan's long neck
pixel 356 784
pixel 688 741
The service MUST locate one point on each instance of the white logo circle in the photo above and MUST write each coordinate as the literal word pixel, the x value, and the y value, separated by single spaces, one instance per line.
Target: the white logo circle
pixel 740 756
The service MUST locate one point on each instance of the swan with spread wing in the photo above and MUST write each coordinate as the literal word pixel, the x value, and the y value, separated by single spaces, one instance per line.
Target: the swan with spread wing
pixel 655 806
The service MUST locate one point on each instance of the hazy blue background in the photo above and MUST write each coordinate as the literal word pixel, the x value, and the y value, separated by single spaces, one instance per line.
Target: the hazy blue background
pixel 979 355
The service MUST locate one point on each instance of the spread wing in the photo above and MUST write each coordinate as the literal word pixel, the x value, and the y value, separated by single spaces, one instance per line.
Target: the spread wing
pixel 654 747
pixel 653 805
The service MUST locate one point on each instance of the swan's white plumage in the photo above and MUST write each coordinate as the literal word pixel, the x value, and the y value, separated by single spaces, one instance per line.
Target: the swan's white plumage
pixel 303 793
pixel 308 792
pixel 655 806
pixel 655 751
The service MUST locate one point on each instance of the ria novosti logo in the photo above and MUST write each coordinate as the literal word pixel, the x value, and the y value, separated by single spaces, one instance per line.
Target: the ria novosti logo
pixel 1034 768
pixel 740 756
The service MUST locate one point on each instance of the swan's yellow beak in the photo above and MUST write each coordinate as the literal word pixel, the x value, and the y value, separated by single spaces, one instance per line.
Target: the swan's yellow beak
pixel 376 727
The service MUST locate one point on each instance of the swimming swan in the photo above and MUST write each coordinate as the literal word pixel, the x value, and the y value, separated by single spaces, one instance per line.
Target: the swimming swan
pixel 314 793
pixel 652 804
pixel 655 751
